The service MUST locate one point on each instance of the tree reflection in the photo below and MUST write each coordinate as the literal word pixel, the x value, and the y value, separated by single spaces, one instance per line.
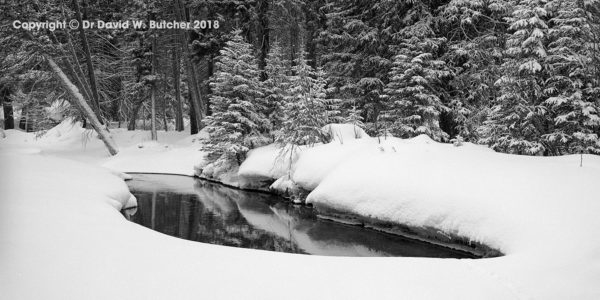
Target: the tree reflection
pixel 205 212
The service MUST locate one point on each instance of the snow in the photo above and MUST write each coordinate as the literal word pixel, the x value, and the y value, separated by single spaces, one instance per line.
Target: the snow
pixel 62 236
pixel 265 162
pixel 537 210
pixel 344 132
pixel 173 153
pixel 154 157
pixel 65 239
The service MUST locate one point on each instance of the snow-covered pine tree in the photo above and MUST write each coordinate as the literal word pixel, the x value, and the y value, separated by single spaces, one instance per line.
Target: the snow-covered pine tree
pixel 306 106
pixel 355 119
pixel 412 103
pixel 356 52
pixel 276 85
pixel 518 118
pixel 237 106
pixel 477 34
pixel 571 100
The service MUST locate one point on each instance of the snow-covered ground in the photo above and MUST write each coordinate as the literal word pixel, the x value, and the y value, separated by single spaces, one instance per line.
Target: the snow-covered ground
pixel 63 237
pixel 173 153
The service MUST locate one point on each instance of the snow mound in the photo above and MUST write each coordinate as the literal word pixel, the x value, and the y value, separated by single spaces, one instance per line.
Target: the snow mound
pixel 271 161
pixel 155 157
pixel 285 185
pixel 315 163
pixel 67 131
pixel 421 139
pixel 344 132
pixel 536 210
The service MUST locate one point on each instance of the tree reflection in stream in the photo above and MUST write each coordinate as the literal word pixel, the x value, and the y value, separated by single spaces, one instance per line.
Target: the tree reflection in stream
pixel 211 213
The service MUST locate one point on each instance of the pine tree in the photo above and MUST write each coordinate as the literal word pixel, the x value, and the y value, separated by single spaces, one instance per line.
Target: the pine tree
pixel 477 35
pixel 306 106
pixel 355 119
pixel 571 102
pixel 357 55
pixel 237 104
pixel 276 86
pixel 518 118
pixel 411 96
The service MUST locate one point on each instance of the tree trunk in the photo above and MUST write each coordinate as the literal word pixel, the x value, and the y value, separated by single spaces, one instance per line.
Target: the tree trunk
pixel 191 77
pixel 153 96
pixel 134 116
pixel 76 73
pixel 153 115
pixel 310 24
pixel 263 36
pixel 193 119
pixel 193 87
pixel 164 107
pixel 78 101
pixel 88 58
pixel 210 72
pixel 7 108
pixel 177 82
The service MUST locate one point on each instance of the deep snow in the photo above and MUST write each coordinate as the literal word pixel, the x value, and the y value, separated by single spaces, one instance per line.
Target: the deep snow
pixel 63 237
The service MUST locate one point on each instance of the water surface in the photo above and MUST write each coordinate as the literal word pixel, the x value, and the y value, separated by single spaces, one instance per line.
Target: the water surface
pixel 206 212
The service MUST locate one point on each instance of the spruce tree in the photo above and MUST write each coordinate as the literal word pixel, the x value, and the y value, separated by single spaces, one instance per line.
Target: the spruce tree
pixel 357 53
pixel 306 106
pixel 413 106
pixel 355 119
pixel 237 105
pixel 572 99
pixel 477 33
pixel 518 118
pixel 276 85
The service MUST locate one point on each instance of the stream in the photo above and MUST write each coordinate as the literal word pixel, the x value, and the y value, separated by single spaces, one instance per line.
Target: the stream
pixel 206 212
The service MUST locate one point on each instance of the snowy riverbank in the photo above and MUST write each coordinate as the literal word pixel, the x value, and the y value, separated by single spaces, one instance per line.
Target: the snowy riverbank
pixel 62 216
pixel 467 191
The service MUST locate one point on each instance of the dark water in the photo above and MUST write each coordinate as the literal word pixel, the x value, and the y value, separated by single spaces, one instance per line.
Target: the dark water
pixel 210 213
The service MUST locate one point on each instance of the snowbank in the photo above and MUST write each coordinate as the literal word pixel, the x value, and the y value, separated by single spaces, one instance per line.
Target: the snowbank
pixel 344 132
pixel 63 238
pixel 537 210
pixel 154 157
pixel 173 153
pixel 266 162
pixel 483 195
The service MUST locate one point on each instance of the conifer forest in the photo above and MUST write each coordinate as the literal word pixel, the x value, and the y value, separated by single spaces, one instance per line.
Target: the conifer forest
pixel 522 77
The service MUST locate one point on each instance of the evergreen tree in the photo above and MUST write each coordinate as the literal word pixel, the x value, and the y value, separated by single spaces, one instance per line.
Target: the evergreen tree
pixel 518 118
pixel 477 34
pixel 357 52
pixel 237 104
pixel 411 96
pixel 355 119
pixel 306 106
pixel 572 98
pixel 276 85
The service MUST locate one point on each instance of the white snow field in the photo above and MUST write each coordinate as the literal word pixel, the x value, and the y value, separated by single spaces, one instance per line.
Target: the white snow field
pixel 62 236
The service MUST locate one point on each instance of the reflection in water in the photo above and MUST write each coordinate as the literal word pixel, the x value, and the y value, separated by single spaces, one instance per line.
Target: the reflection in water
pixel 201 211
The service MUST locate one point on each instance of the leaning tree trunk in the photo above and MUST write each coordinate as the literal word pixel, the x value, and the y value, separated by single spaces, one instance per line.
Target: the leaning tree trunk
pixel 78 101
pixel 88 59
